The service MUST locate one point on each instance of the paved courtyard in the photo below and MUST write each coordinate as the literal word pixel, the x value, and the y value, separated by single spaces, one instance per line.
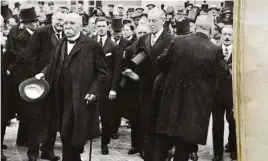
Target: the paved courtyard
pixel 118 148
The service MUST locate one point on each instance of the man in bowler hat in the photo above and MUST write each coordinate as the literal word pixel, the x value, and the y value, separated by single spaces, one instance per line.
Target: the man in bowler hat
pixel 39 50
pixel 76 75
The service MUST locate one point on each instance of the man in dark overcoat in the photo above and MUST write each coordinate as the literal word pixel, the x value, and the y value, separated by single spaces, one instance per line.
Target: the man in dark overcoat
pixel 224 104
pixel 117 37
pixel 76 74
pixel 193 64
pixel 39 49
pixel 154 44
pixel 128 98
pixel 109 91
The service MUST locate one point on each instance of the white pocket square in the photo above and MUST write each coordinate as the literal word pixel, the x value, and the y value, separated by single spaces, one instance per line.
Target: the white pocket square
pixel 108 54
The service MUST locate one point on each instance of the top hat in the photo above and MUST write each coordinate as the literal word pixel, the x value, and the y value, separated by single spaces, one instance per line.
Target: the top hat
pixel 192 16
pixel 117 24
pixel 33 89
pixel 204 7
pixel 50 3
pixel 41 2
pixel 150 5
pixel 6 12
pixel 183 27
pixel 28 15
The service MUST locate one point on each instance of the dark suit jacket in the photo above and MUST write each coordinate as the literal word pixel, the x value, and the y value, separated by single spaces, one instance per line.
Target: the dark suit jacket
pixel 192 64
pixel 124 43
pixel 88 73
pixel 113 63
pixel 39 49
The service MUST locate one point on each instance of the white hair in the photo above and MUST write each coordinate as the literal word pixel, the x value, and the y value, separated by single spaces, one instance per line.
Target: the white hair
pixel 76 17
pixel 157 11
pixel 204 22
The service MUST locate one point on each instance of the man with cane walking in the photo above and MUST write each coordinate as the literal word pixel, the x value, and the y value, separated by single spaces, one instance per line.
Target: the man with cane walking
pixel 76 74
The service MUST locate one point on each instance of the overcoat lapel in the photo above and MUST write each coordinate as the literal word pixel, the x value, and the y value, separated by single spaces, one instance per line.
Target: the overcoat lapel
pixel 148 43
pixel 159 43
pixel 106 45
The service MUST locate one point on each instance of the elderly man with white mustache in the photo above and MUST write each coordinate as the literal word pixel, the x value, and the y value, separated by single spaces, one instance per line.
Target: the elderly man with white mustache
pixel 75 74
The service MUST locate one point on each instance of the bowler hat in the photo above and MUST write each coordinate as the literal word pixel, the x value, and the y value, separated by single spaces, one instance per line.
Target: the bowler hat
pixel 33 89
pixel 183 27
pixel 117 24
pixel 110 5
pixel 28 15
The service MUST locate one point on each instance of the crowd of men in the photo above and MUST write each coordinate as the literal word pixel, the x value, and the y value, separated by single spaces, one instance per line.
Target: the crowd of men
pixel 165 70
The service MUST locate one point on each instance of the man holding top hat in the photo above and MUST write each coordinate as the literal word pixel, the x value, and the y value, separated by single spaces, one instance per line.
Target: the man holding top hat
pixel 76 74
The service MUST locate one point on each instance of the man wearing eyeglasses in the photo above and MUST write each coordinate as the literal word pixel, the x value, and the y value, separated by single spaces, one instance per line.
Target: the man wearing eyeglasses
pixel 149 47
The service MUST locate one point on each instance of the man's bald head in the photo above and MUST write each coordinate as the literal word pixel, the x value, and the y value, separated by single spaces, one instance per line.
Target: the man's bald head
pixel 141 30
pixel 72 24
pixel 204 24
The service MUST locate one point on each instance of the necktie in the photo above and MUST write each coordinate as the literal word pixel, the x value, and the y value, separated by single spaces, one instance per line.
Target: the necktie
pixel 58 36
pixel 101 41
pixel 152 39
pixel 226 54
pixel 71 41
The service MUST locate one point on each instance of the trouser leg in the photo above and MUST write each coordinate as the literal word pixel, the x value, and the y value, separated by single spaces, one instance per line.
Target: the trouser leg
pixel 232 130
pixel 22 135
pixel 106 130
pixel 218 128
pixel 162 146
pixel 181 151
pixel 49 143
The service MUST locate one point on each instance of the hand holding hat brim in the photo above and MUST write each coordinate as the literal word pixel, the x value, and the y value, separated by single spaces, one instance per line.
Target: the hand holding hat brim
pixel 129 73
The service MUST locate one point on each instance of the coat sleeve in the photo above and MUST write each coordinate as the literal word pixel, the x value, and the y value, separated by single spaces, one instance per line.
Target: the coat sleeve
pixel 219 66
pixel 117 63
pixel 100 72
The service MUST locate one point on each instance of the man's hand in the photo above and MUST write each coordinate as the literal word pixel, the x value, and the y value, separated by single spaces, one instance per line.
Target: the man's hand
pixel 40 76
pixel 112 95
pixel 90 98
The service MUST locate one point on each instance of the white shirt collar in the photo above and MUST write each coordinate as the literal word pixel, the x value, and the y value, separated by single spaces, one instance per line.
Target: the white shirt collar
pixel 30 31
pixel 230 48
pixel 158 33
pixel 104 38
pixel 130 37
pixel 74 38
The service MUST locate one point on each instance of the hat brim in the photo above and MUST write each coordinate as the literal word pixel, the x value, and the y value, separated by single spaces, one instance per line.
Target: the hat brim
pixel 33 81
pixel 217 9
pixel 228 11
pixel 29 20
pixel 150 5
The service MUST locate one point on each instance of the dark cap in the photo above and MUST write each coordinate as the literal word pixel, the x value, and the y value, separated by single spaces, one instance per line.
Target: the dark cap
pixel 41 2
pixel 110 5
pixel 130 10
pixel 50 3
pixel 150 5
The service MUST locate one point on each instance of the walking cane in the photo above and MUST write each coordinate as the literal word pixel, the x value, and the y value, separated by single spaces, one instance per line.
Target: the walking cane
pixel 91 122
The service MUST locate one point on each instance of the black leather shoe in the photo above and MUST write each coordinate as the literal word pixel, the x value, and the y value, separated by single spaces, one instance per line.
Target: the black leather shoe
pixel 104 150
pixel 114 136
pixel 194 156
pixel 3 157
pixel 4 146
pixel 217 158
pixel 142 154
pixel 50 157
pixel 32 159
pixel 233 155
pixel 133 150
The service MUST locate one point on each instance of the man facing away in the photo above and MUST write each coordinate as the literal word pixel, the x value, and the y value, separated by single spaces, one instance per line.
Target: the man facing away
pixel 192 64
pixel 76 74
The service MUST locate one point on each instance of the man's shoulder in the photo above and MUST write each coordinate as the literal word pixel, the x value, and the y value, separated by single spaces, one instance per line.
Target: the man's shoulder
pixel 44 29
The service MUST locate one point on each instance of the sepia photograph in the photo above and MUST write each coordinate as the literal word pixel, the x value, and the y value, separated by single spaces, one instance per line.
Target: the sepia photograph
pixel 122 80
